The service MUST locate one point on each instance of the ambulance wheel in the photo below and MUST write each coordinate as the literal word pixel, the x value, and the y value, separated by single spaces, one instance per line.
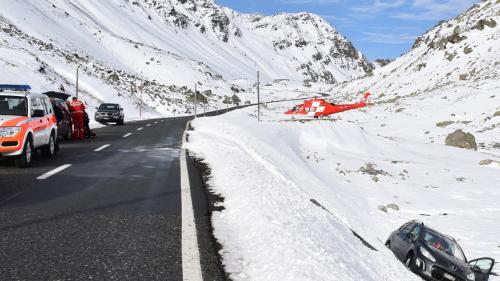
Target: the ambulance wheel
pixel 50 149
pixel 24 161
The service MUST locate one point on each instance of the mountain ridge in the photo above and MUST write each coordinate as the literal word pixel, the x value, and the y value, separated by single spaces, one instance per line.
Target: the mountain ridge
pixel 170 44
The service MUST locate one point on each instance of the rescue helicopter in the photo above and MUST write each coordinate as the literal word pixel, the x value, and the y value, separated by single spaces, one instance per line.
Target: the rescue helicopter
pixel 318 107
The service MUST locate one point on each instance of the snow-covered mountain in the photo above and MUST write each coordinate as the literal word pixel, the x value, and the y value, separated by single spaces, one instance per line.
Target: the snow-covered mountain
pixel 170 44
pixel 450 76
pixel 461 51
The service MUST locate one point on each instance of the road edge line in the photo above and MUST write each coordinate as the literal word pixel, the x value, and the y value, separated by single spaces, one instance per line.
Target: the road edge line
pixel 191 265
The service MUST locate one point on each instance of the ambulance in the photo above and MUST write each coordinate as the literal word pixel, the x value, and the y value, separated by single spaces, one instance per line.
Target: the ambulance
pixel 27 124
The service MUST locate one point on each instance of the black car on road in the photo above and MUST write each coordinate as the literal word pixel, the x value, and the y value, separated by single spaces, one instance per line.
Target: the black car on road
pixel 435 256
pixel 110 112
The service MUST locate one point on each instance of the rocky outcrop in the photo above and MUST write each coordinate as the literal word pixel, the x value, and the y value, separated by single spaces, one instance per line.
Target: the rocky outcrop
pixel 383 62
pixel 444 123
pixel 461 139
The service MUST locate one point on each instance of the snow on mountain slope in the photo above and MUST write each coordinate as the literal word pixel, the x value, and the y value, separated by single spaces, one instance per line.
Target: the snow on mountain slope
pixel 459 52
pixel 371 169
pixel 172 44
pixel 268 172
pixel 270 229
pixel 452 75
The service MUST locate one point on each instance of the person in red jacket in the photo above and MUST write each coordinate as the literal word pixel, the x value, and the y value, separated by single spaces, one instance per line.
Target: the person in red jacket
pixel 77 111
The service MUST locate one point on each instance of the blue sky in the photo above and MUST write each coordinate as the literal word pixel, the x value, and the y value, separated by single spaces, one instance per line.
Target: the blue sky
pixel 378 28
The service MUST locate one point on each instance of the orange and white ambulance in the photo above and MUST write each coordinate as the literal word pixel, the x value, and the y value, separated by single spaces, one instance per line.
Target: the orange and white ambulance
pixel 27 123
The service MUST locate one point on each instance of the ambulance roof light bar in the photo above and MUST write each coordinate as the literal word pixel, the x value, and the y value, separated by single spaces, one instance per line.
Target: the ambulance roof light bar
pixel 17 88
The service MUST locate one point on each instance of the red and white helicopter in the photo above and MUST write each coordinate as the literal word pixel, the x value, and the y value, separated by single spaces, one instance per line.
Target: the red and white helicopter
pixel 320 107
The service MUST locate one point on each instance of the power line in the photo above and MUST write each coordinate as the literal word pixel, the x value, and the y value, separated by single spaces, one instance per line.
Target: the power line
pixel 296 91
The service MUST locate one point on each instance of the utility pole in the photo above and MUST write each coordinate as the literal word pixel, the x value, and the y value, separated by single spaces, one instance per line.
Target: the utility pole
pixel 139 91
pixel 77 70
pixel 140 99
pixel 258 97
pixel 195 101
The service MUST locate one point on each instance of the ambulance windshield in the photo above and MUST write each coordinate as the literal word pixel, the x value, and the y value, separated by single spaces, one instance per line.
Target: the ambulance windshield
pixel 11 105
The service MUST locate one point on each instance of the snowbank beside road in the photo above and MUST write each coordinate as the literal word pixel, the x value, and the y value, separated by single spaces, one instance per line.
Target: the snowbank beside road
pixel 268 173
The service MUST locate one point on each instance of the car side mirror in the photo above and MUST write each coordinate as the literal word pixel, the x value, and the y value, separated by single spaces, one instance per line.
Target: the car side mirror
pixel 37 113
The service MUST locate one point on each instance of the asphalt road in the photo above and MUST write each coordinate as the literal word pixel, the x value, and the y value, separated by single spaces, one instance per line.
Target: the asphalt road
pixel 114 214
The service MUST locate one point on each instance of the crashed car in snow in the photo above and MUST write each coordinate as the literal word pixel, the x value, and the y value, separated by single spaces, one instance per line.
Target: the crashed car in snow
pixel 435 256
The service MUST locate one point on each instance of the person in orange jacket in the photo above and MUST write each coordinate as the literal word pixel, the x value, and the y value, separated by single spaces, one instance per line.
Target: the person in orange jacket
pixel 77 111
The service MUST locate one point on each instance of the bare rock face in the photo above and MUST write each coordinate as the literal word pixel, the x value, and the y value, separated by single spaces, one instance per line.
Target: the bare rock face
pixel 383 62
pixel 382 208
pixel 487 162
pixel 461 139
pixel 444 123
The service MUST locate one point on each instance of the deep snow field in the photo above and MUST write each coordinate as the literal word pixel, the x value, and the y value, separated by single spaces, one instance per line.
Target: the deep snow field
pixel 352 164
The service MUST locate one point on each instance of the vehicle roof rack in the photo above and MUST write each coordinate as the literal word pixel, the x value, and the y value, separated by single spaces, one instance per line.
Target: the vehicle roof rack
pixel 17 88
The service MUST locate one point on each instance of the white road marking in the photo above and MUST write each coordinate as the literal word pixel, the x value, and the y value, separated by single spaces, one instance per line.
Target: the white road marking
pixel 148 125
pixel 140 128
pixel 126 135
pixel 102 147
pixel 191 267
pixel 53 172
pixel 156 122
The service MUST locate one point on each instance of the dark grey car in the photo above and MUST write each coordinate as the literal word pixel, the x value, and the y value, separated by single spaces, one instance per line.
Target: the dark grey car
pixel 435 256
pixel 110 112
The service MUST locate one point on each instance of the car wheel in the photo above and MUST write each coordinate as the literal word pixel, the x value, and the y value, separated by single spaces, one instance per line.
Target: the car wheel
pixel 49 150
pixel 409 262
pixel 24 161
pixel 120 122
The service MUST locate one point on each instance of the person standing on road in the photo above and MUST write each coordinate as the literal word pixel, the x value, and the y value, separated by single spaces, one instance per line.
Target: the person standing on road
pixel 77 111
pixel 88 131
